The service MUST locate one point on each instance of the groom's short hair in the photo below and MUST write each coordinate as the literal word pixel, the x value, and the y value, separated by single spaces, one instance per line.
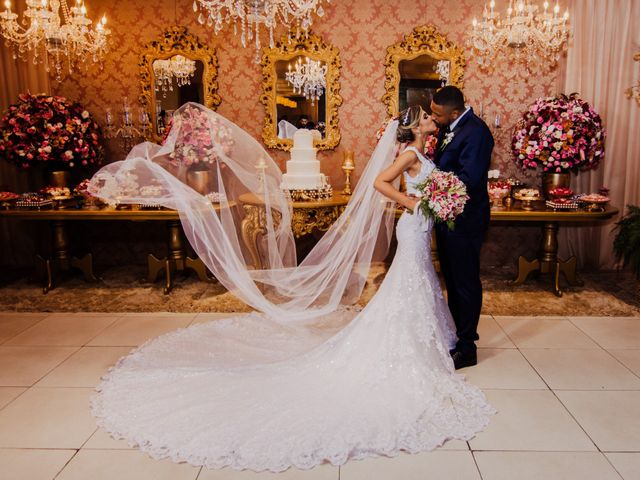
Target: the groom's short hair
pixel 449 96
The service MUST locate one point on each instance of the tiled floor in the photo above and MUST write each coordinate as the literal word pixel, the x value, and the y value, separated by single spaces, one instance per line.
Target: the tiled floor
pixel 567 390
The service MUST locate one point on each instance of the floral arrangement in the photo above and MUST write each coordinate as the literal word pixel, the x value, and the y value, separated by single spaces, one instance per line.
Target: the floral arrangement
pixel 56 192
pixel 559 134
pixel 41 128
pixel 443 197
pixel 198 138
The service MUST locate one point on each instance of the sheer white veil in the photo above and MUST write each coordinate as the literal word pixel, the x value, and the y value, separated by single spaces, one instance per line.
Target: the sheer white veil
pixel 333 273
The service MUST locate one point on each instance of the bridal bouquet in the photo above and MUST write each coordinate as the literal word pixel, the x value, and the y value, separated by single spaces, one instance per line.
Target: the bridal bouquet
pixel 443 197
pixel 559 134
pixel 199 137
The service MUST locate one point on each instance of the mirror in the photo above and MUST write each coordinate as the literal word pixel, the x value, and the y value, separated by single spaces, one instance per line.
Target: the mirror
pixel 300 89
pixel 416 67
pixel 173 71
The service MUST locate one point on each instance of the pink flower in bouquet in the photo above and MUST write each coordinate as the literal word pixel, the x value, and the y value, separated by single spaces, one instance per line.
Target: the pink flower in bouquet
pixel 42 128
pixel 198 138
pixel 443 197
pixel 559 134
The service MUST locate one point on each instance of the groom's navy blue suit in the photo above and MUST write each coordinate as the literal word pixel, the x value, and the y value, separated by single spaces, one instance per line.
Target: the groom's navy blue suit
pixel 467 155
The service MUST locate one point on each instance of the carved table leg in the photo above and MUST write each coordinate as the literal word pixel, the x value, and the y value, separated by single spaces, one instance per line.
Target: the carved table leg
pixel 85 264
pixel 525 268
pixel 252 226
pixel 200 268
pixel 175 260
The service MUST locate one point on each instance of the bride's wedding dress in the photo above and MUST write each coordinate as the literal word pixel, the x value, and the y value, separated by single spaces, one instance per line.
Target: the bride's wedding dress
pixel 248 392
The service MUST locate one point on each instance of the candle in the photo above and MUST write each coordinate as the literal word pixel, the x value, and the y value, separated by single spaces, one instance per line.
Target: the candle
pixel 109 117
pixel 497 122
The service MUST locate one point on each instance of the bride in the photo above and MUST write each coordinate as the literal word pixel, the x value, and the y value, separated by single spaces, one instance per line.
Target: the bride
pixel 305 379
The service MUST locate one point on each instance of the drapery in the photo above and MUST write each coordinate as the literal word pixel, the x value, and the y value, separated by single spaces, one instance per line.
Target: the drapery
pixel 600 67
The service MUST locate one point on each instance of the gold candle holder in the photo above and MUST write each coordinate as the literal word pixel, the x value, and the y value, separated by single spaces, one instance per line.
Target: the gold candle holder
pixel 348 166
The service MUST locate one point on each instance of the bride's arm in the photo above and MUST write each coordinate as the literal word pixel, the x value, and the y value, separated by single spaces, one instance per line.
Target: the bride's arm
pixel 383 182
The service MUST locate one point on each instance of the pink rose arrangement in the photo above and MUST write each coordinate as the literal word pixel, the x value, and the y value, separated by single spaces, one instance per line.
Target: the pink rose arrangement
pixel 42 128
pixel 443 197
pixel 199 137
pixel 559 134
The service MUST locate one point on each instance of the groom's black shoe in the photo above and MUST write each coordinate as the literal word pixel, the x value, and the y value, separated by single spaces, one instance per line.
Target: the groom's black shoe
pixel 462 360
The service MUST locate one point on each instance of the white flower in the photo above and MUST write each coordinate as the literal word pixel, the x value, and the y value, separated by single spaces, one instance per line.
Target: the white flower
pixel 557 145
pixel 68 154
pixel 85 114
pixel 447 140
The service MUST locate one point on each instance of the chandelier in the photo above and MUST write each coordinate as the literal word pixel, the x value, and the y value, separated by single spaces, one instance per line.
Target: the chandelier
pixel 526 35
pixel 52 41
pixel 634 91
pixel 308 78
pixel 178 67
pixel 251 14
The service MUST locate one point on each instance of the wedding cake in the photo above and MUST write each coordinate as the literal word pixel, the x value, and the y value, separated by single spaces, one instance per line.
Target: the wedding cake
pixel 303 170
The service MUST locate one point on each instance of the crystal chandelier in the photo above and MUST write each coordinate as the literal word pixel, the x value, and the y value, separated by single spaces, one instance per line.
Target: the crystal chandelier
pixel 43 33
pixel 634 92
pixel 253 13
pixel 178 67
pixel 526 35
pixel 308 78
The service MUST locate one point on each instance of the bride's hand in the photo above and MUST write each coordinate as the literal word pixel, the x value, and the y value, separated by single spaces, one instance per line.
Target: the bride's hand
pixel 411 203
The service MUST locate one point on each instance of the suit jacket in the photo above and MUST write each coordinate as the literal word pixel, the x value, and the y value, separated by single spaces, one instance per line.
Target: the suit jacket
pixel 468 156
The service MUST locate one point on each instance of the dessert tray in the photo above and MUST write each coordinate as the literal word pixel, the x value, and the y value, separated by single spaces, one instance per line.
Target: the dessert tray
pixel 315 194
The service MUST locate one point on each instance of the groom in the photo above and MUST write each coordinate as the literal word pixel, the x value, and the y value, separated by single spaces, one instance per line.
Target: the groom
pixel 464 148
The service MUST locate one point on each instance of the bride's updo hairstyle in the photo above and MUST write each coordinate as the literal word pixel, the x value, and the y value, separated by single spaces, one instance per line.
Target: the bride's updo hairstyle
pixel 407 120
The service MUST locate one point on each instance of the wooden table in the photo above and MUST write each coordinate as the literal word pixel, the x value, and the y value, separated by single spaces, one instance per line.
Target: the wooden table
pixel 62 260
pixel 547 260
pixel 306 218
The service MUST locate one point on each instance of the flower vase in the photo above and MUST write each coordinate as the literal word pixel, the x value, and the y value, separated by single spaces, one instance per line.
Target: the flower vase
pixel 200 179
pixel 59 178
pixel 551 181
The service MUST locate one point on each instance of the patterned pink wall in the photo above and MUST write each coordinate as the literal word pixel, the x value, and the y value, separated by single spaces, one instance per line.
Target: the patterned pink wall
pixel 360 29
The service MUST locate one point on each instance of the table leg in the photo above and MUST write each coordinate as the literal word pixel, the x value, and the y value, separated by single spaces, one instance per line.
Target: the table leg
pixel 251 227
pixel 200 268
pixel 85 265
pixel 526 267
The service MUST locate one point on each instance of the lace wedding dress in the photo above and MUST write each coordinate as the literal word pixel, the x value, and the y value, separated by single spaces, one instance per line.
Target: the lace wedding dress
pixel 251 393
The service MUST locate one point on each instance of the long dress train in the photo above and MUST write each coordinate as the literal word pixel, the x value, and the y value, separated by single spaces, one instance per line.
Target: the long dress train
pixel 250 393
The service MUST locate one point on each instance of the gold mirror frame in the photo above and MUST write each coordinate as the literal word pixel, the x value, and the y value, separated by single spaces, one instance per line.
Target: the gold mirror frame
pixel 177 41
pixel 287 48
pixel 423 40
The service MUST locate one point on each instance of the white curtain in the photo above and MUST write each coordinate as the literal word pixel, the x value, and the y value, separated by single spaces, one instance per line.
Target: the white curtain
pixel 600 67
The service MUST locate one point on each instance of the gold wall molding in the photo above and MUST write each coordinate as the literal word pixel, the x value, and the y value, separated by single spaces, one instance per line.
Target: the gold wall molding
pixel 423 40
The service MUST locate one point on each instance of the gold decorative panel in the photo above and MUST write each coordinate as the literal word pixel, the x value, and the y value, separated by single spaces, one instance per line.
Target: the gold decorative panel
pixel 423 41
pixel 177 41
pixel 273 60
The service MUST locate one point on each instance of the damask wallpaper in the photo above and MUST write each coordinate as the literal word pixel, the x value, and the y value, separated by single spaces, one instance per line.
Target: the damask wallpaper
pixel 360 29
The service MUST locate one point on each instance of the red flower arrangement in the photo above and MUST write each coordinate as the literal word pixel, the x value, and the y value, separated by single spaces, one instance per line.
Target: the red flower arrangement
pixel 42 128
pixel 559 134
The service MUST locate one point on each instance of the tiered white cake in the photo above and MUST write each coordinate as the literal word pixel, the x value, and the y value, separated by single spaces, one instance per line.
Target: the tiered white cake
pixel 303 170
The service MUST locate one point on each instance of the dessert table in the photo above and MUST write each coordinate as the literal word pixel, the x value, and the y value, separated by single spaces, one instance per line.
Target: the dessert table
pixel 61 259
pixel 546 260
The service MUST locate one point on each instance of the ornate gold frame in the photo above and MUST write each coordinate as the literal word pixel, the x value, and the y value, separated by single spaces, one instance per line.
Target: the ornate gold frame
pixel 176 40
pixel 423 40
pixel 287 48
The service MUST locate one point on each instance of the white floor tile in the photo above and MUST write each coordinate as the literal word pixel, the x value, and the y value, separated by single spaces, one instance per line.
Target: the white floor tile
pixel 63 330
pixel 492 335
pixel 321 472
pixel 629 357
pixel 47 418
pixel 8 394
pixel 544 465
pixel 437 465
pixel 133 330
pixel 627 464
pixel 530 420
pixel 19 464
pixel 503 368
pixel 11 324
pixel 542 332
pixel 23 366
pixel 101 440
pixel 612 419
pixel 611 332
pixel 85 367
pixel 124 465
pixel 581 369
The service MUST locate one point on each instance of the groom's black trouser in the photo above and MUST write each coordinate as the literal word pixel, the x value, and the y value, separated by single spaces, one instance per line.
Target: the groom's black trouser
pixel 459 255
